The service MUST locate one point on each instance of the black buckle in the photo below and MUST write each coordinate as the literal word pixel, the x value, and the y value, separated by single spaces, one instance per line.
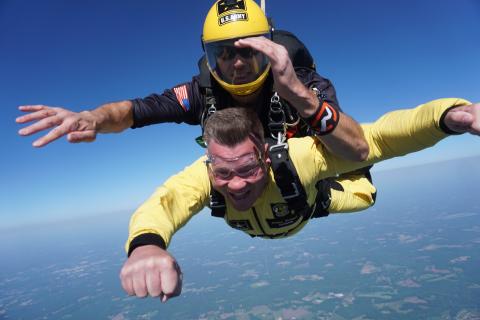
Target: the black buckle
pixel 296 192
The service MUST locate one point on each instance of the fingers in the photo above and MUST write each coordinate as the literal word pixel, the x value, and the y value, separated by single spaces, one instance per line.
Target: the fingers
pixel 38 112
pixel 61 130
pixel 171 279
pixel 139 284
pixel 134 283
pixel 78 127
pixel 276 53
pixel 29 108
pixel 459 121
pixel 47 118
pixel 51 136
pixel 153 283
pixel 127 282
pixel 272 50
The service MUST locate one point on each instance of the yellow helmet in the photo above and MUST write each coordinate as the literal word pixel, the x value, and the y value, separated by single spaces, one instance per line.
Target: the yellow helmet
pixel 226 22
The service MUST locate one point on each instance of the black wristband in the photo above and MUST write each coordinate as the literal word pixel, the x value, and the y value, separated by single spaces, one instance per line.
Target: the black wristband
pixel 325 119
pixel 146 239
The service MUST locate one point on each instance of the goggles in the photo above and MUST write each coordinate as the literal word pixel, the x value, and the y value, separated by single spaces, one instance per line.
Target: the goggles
pixel 247 166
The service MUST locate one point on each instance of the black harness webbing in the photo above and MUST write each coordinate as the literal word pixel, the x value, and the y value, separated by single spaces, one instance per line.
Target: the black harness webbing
pixel 217 204
pixel 287 180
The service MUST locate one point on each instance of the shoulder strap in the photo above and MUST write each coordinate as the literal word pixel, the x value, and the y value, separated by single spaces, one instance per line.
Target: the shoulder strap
pixel 287 179
pixel 210 107
pixel 217 204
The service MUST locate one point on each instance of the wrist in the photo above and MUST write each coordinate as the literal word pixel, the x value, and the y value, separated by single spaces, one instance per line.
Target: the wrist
pixel 146 239
pixel 112 117
pixel 325 118
pixel 96 118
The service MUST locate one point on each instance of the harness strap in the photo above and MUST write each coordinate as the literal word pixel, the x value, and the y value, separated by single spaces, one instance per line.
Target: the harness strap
pixel 323 198
pixel 210 108
pixel 287 179
pixel 217 204
pixel 277 124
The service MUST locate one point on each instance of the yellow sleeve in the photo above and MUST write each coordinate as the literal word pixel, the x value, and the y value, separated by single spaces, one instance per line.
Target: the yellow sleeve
pixel 395 134
pixel 173 204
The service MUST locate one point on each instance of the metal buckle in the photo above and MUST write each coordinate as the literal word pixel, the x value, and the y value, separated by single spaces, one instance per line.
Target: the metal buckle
pixel 276 117
pixel 214 204
pixel 278 147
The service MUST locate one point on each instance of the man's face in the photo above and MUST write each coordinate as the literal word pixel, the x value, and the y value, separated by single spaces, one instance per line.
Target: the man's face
pixel 238 173
pixel 239 65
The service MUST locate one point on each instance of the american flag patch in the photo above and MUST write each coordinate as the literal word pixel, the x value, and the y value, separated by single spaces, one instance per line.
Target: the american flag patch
pixel 182 97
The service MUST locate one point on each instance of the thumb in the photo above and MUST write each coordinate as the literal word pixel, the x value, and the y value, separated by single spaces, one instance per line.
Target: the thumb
pixel 459 121
pixel 81 136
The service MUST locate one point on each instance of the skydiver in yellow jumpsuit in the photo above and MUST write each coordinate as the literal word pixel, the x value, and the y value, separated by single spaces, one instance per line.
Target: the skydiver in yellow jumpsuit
pixel 237 164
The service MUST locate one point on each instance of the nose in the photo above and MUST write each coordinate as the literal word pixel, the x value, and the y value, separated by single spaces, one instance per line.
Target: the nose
pixel 237 184
pixel 238 62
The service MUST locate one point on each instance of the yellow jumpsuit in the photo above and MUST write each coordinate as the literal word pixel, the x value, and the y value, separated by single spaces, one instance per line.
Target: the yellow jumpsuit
pixel 183 195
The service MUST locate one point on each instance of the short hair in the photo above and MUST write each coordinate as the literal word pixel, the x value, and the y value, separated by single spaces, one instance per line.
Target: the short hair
pixel 232 126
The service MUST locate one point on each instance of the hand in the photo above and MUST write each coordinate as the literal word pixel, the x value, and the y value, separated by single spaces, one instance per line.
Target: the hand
pixel 347 139
pixel 78 126
pixel 285 78
pixel 464 119
pixel 151 270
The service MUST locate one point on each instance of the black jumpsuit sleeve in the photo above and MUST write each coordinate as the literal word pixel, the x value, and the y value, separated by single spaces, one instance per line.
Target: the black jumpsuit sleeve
pixel 183 103
pixel 310 78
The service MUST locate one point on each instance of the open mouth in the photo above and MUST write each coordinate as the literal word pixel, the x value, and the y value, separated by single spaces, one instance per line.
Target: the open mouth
pixel 239 196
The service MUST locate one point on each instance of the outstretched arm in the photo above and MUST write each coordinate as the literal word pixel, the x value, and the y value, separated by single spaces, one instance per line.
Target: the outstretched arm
pixel 150 269
pixel 77 126
pixel 406 131
pixel 347 139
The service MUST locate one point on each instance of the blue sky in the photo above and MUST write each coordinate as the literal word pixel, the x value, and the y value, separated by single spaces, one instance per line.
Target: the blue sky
pixel 381 55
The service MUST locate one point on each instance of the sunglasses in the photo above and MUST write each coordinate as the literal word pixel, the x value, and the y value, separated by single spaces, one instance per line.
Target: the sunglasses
pixel 229 52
